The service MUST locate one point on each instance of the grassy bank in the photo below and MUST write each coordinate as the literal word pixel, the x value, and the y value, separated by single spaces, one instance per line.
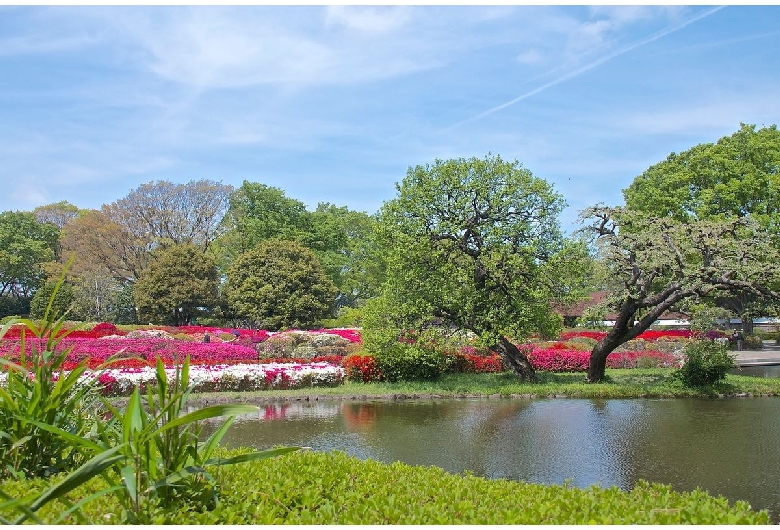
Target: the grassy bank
pixel 628 383
pixel 318 488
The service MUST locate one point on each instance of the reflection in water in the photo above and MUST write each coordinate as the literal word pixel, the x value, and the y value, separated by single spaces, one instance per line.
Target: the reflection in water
pixel 728 447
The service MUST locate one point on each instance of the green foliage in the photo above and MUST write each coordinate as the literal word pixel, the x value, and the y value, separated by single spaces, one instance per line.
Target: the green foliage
pixel 704 318
pixel 737 176
pixel 37 390
pixel 752 342
pixel 163 460
pixel 336 235
pixel 25 246
pixel 706 363
pixel 315 488
pixel 410 362
pixel 348 317
pixel 180 284
pixel 279 284
pixel 475 243
pixel 14 306
pixel 62 301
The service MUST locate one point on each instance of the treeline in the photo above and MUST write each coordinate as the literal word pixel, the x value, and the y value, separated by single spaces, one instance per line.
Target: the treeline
pixel 179 253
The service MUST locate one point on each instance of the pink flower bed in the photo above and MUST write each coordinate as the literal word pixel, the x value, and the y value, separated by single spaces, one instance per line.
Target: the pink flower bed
pixel 564 360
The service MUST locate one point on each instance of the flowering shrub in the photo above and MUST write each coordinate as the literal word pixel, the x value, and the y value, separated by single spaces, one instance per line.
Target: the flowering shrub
pixel 649 335
pixel 98 351
pixel 105 328
pixel 556 360
pixel 352 335
pixel 362 368
pixel 225 378
pixel 469 363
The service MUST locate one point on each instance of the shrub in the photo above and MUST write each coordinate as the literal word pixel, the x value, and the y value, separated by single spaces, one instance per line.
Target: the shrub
pixel 706 362
pixel 309 487
pixel 104 329
pixel 361 368
pixel 409 362
pixel 752 342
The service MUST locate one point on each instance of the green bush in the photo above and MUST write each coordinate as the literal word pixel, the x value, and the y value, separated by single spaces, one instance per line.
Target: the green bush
pixel 409 362
pixel 62 300
pixel 752 342
pixel 308 487
pixel 706 362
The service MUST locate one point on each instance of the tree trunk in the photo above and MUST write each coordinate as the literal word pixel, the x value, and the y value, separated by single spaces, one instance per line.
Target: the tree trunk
pixel 516 359
pixel 747 323
pixel 597 365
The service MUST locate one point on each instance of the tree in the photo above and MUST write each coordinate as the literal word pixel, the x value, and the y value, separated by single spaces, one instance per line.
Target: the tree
pixel 60 305
pixel 335 234
pixel 338 238
pixel 181 282
pixel 58 213
pixel 163 213
pixel 258 212
pixel 97 241
pixel 25 246
pixel 475 244
pixel 279 284
pixel 736 177
pixel 660 262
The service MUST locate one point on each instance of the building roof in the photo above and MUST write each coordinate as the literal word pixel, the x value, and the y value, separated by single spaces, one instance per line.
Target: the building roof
pixel 597 297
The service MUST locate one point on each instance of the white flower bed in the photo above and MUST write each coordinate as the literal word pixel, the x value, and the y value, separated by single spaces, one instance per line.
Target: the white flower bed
pixel 222 378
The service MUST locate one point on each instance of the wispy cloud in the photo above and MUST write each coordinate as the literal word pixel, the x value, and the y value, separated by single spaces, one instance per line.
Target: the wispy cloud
pixel 369 19
pixel 596 30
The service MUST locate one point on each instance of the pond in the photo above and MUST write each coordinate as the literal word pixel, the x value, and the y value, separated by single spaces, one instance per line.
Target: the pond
pixel 728 447
pixel 767 371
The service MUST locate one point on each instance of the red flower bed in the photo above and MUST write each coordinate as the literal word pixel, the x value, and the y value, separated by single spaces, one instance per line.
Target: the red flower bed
pixel 649 335
pixel 362 368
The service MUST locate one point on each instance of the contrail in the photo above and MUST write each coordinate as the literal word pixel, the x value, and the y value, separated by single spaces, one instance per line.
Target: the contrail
pixel 590 66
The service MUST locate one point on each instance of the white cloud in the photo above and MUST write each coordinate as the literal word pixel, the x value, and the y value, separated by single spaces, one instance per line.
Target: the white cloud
pixel 531 56
pixel 368 19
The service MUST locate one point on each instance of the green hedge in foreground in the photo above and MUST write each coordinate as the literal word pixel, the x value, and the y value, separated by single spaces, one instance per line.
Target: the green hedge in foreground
pixel 331 488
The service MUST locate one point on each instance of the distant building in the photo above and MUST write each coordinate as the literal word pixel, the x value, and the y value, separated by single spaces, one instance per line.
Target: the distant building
pixel 573 314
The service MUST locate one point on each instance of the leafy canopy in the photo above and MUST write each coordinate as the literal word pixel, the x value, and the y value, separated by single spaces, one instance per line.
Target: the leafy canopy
pixel 474 243
pixel 181 283
pixel 279 284
pixel 737 176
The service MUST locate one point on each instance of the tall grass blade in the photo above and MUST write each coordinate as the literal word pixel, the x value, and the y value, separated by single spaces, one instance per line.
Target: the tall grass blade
pixel 84 473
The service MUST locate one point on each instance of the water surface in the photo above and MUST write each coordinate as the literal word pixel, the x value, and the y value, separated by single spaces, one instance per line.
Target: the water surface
pixel 728 447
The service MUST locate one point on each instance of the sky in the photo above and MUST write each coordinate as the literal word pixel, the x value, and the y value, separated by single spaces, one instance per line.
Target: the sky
pixel 334 104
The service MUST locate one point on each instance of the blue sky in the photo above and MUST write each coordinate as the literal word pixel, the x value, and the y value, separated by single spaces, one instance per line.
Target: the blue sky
pixel 333 104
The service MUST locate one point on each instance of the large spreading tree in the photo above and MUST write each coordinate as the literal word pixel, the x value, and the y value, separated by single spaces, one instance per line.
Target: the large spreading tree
pixel 658 262
pixel 475 244
pixel 738 176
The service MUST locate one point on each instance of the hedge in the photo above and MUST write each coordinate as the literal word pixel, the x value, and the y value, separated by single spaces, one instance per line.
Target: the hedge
pixel 332 488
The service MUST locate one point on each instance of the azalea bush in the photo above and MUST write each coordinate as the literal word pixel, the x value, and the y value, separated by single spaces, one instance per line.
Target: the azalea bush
pixel 650 335
pixel 225 377
pixel 565 360
pixel 362 368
